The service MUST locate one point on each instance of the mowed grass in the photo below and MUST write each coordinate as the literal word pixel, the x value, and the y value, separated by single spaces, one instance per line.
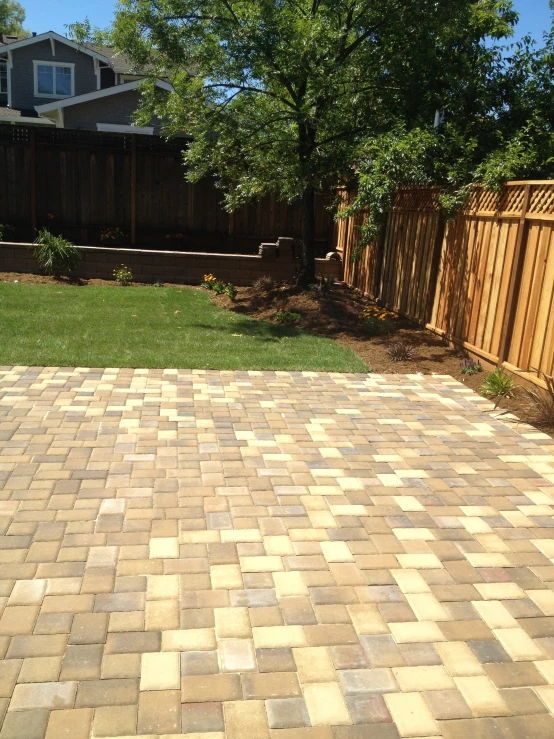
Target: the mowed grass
pixel 168 327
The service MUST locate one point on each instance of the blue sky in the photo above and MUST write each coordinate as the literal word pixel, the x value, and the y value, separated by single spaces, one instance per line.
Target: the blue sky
pixel 51 16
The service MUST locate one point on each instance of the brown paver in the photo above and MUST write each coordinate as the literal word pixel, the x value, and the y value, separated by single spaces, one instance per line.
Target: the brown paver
pixel 271 554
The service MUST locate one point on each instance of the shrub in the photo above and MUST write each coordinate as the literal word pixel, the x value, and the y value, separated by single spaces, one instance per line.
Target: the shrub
pixel 219 287
pixel 286 317
pixel 230 290
pixel 374 326
pixel 123 275
pixel 498 385
pixel 113 237
pixel 264 283
pixel 377 321
pixel 55 255
pixel 469 367
pixel 540 406
pixel 401 351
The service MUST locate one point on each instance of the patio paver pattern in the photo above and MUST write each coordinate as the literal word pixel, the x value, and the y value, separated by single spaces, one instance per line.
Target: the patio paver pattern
pixel 271 555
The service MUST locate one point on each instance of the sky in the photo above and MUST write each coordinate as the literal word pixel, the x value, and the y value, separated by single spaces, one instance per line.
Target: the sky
pixel 52 16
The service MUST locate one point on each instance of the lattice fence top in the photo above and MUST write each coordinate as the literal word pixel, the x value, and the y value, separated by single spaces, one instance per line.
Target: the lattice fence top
pixel 542 198
pixel 417 198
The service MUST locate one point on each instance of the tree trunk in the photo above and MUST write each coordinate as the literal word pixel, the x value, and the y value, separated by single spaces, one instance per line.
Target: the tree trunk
pixel 306 276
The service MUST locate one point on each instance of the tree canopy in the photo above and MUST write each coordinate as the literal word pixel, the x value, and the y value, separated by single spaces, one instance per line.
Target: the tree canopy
pixel 12 17
pixel 280 95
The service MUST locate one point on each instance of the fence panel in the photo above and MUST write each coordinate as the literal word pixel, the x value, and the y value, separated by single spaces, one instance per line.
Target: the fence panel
pixel 493 291
pixel 92 180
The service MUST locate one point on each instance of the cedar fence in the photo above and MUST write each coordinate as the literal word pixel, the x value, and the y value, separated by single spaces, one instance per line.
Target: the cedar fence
pixel 484 281
pixel 89 181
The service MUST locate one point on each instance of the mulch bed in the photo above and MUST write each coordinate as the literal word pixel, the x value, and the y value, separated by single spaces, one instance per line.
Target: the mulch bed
pixel 336 315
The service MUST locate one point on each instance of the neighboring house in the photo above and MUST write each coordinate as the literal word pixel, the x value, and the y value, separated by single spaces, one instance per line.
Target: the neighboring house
pixel 50 80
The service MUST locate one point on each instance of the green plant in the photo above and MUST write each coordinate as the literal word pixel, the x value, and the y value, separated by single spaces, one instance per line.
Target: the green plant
pixel 123 275
pixel 209 281
pixel 231 291
pixel 55 255
pixel 219 287
pixel 469 367
pixel 374 326
pixel 498 385
pixel 540 406
pixel 286 317
pixel 401 351
pixel 377 321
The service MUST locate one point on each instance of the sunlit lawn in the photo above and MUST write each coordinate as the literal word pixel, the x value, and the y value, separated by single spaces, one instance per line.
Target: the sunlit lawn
pixel 93 326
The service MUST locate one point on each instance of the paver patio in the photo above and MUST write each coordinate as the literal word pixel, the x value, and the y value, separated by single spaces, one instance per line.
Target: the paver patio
pixel 284 555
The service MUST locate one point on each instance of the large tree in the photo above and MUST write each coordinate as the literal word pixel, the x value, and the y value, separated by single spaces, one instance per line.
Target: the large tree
pixel 277 94
pixel 12 17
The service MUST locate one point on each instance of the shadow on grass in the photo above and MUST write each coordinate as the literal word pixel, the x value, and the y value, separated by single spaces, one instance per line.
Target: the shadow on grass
pixel 255 329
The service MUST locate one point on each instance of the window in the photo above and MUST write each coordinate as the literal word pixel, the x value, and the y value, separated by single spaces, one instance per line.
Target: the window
pixel 54 80
pixel 3 78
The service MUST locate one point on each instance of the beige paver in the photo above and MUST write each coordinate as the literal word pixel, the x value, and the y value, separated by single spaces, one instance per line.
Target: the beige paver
pixel 281 555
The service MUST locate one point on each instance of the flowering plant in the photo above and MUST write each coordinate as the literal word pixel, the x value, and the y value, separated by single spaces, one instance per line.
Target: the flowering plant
pixel 209 281
pixel 175 237
pixel 113 236
pixel 123 275
pixel 377 321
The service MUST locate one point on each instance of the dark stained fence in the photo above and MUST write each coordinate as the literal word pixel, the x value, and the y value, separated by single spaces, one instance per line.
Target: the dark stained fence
pixel 81 182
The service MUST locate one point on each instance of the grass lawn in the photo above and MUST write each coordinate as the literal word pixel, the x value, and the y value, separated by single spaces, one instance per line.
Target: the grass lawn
pixel 93 326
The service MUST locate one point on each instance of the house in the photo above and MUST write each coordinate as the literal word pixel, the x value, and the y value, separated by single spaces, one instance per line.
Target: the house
pixel 50 80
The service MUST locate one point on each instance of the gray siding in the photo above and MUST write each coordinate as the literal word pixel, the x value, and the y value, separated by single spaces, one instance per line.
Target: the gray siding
pixel 22 71
pixel 111 109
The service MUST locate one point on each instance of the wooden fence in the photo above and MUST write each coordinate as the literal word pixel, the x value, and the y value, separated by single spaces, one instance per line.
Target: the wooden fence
pixel 484 280
pixel 89 181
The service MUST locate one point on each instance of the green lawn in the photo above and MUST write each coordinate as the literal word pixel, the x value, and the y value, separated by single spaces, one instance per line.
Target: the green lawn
pixel 60 325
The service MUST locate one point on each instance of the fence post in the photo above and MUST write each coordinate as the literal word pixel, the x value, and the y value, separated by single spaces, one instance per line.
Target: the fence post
pixel 515 281
pixel 434 266
pixel 34 205
pixel 133 189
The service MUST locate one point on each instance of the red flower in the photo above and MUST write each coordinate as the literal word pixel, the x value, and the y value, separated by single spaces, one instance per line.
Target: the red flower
pixel 168 236
pixel 50 216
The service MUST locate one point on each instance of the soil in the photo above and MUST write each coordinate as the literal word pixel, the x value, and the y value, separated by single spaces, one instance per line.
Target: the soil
pixel 336 315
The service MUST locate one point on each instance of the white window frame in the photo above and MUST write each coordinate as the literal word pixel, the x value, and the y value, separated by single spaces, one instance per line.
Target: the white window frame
pixel 37 63
pixel 125 128
pixel 4 65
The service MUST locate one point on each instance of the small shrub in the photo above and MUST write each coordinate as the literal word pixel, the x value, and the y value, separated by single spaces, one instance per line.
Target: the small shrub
pixel 286 317
pixel 377 321
pixel 113 237
pixel 540 406
pixel 264 283
pixel 401 351
pixel 469 367
pixel 55 255
pixel 209 281
pixel 374 326
pixel 123 275
pixel 219 287
pixel 231 291
pixel 498 385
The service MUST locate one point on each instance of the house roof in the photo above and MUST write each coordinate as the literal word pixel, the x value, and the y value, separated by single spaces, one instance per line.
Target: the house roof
pixel 96 95
pixel 21 43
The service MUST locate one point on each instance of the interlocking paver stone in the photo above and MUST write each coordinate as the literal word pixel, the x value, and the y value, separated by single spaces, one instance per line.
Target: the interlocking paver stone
pixel 286 555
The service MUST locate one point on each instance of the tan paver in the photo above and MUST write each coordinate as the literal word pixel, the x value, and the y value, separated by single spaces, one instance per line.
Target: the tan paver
pixel 279 555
